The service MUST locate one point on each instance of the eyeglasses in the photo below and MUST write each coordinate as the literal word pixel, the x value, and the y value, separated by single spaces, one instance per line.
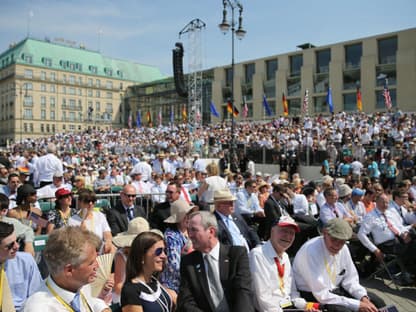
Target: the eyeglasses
pixel 159 251
pixel 89 200
pixel 10 245
pixel 169 192
pixel 130 195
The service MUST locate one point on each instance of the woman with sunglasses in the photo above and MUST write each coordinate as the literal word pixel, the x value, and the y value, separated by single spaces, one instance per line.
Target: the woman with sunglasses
pixel 92 220
pixel 59 216
pixel 142 292
pixel 26 212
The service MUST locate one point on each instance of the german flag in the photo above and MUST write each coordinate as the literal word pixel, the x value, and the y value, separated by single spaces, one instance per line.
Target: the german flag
pixel 359 101
pixel 285 105
pixel 230 109
pixel 184 113
pixel 148 117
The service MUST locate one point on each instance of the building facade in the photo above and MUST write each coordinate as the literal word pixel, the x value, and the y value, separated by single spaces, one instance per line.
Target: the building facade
pixel 363 63
pixel 47 88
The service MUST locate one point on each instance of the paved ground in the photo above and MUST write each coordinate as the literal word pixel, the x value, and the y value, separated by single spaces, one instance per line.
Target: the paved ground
pixel 403 298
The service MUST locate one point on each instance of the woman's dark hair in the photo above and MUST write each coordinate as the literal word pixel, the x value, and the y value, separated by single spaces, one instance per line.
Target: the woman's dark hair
pixel 141 244
pixel 86 195
pixel 6 229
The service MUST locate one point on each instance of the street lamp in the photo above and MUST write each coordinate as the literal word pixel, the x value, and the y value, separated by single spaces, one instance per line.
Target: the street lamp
pixel 21 107
pixel 240 33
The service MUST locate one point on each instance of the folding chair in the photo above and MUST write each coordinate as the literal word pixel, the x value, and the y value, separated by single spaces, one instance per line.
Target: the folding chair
pixel 390 260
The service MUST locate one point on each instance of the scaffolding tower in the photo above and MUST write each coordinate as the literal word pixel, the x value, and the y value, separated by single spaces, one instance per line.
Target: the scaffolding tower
pixel 194 30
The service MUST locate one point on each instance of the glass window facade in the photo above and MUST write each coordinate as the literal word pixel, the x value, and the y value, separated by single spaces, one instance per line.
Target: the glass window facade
pixel 351 78
pixel 271 68
pixel 353 55
pixel 387 49
pixel 350 102
pixel 319 104
pixel 294 107
pixel 228 77
pixel 296 63
pixel 323 58
pixel 249 70
pixel 380 103
pixel 294 86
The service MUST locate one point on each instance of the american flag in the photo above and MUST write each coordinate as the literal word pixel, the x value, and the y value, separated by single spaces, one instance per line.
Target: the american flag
pixel 245 108
pixel 305 106
pixel 130 120
pixel 386 95
pixel 159 117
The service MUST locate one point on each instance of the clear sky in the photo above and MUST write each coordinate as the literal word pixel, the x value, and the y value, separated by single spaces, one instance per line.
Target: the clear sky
pixel 145 31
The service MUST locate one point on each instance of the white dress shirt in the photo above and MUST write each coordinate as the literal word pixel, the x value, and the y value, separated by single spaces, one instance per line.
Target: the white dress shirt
pixel 44 300
pixel 46 166
pixel 266 281
pixel 247 203
pixel 327 212
pixel 375 224
pixel 316 270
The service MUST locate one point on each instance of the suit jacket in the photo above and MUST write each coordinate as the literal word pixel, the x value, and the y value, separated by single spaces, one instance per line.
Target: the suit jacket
pixel 118 220
pixel 273 211
pixel 159 214
pixel 235 278
pixel 224 235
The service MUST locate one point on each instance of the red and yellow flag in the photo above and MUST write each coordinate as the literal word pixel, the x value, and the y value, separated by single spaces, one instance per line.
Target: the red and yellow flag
pixel 285 105
pixel 148 117
pixel 230 109
pixel 359 101
pixel 184 113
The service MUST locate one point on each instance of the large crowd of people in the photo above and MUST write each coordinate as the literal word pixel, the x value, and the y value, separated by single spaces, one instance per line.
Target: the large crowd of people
pixel 196 235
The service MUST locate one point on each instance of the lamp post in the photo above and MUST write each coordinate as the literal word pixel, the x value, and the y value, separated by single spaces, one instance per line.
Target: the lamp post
pixel 239 32
pixel 21 107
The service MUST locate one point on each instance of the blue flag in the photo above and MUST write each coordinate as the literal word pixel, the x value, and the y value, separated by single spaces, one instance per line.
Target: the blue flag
pixel 138 120
pixel 171 117
pixel 213 109
pixel 329 100
pixel 267 107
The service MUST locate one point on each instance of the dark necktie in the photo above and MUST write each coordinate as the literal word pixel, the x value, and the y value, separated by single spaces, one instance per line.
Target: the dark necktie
pixel 215 287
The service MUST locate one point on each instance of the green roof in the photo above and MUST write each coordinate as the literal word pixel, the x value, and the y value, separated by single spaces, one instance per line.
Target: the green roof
pixel 78 60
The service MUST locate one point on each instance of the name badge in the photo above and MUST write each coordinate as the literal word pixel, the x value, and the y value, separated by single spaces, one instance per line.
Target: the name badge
pixel 285 303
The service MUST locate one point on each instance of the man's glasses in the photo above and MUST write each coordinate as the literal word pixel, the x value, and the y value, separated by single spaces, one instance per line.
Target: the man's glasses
pixel 89 200
pixel 10 245
pixel 159 251
pixel 130 195
pixel 169 192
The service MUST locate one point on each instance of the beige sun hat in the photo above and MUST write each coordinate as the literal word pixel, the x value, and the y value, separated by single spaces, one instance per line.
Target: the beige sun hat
pixel 178 210
pixel 223 195
pixel 135 227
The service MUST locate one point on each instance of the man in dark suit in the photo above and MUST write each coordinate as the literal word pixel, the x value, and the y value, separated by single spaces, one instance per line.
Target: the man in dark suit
pixel 232 228
pixel 162 211
pixel 125 210
pixel 214 277
pixel 273 207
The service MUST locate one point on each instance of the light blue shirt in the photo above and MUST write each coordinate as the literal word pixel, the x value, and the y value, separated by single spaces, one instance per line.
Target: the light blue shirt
pixel 23 276
pixel 247 203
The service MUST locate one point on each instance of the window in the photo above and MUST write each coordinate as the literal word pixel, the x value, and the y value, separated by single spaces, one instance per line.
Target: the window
pixel 353 55
pixel 64 103
pixel 28 100
pixel 28 73
pixel 72 116
pixel 43 114
pixel 350 102
pixel 296 63
pixel 319 103
pixel 109 85
pixel 43 101
pixel 97 106
pixel 228 77
pixel 80 80
pixel 323 58
pixel 72 79
pixel 53 129
pixel 47 61
pixel 294 86
pixel 64 78
pixel 271 68
pixel 89 82
pixel 72 91
pixel 109 108
pixel 321 82
pixel 108 71
pixel 52 102
pixel 28 59
pixel 52 88
pixel 109 95
pixel 71 127
pixel 250 109
pixel 294 106
pixel 98 83
pixel 97 93
pixel 89 92
pixel 42 128
pixel 93 69
pixel 28 86
pixel 79 91
pixel 28 114
pixel 53 76
pixel 64 90
pixel 43 87
pixel 249 70
pixel 42 75
pixel 386 71
pixel 351 78
pixel 31 127
pixel 64 115
pixel 47 128
pixel 387 49
pixel 52 115
pixel 71 104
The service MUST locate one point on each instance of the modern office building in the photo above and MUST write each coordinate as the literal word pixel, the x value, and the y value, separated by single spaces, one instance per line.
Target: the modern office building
pixel 363 63
pixel 48 87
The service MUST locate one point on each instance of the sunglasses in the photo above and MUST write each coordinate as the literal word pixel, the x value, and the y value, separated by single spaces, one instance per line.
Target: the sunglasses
pixel 169 192
pixel 10 245
pixel 89 200
pixel 130 195
pixel 159 251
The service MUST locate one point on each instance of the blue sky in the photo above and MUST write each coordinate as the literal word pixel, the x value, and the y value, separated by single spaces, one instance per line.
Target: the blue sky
pixel 145 31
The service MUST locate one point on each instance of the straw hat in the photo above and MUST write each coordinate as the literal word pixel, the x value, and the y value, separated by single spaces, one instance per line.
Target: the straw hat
pixel 223 195
pixel 135 227
pixel 344 190
pixel 178 210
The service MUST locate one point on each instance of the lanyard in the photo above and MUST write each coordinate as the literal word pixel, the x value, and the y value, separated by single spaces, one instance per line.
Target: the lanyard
pixel 2 273
pixel 281 273
pixel 331 273
pixel 66 305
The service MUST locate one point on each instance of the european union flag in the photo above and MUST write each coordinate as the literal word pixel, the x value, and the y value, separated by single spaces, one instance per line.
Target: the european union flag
pixel 213 109
pixel 138 120
pixel 267 106
pixel 329 100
